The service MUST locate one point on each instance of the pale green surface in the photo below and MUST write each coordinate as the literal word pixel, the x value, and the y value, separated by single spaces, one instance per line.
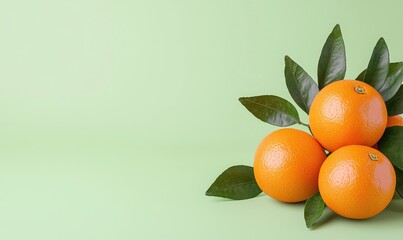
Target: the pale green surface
pixel 117 115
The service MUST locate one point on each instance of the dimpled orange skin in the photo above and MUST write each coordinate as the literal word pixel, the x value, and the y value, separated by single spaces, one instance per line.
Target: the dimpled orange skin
pixel 355 186
pixel 287 164
pixel 340 116
pixel 395 121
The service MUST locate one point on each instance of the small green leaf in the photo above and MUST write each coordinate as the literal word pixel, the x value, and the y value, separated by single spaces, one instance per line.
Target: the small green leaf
pixel 237 183
pixel 272 109
pixel 399 182
pixel 390 145
pixel 332 61
pixel 301 86
pixel 395 104
pixel 378 65
pixel 393 81
pixel 314 208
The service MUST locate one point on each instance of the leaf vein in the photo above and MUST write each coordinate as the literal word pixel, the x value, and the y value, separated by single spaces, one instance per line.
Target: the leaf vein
pixel 284 113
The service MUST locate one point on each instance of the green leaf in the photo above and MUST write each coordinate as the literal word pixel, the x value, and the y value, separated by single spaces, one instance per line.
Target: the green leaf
pixel 378 65
pixel 314 208
pixel 361 76
pixel 237 183
pixel 332 61
pixel 391 145
pixel 301 86
pixel 272 109
pixel 395 104
pixel 393 81
pixel 399 182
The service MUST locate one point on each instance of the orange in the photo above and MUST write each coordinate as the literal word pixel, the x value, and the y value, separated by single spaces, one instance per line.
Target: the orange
pixel 357 181
pixel 347 112
pixel 287 164
pixel 395 121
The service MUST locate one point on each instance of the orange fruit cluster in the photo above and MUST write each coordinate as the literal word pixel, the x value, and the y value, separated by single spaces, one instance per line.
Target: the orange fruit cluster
pixel 346 118
pixel 351 161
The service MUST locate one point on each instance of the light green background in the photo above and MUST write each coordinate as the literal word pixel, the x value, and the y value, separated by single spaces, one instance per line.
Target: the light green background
pixel 116 116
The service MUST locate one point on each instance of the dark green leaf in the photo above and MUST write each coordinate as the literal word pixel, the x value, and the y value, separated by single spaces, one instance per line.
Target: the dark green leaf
pixel 314 208
pixel 395 104
pixel 361 76
pixel 301 86
pixel 378 65
pixel 391 145
pixel 393 81
pixel 399 182
pixel 237 183
pixel 272 109
pixel 332 61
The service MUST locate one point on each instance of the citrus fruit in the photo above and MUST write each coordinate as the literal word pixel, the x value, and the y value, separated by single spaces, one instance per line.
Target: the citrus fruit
pixel 347 112
pixel 357 181
pixel 287 164
pixel 395 121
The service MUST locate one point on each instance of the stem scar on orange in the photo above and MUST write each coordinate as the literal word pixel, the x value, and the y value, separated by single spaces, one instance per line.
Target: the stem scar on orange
pixel 287 164
pixel 347 112
pixel 357 181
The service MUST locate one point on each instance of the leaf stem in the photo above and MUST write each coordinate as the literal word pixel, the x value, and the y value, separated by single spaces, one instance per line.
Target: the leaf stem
pixel 304 124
